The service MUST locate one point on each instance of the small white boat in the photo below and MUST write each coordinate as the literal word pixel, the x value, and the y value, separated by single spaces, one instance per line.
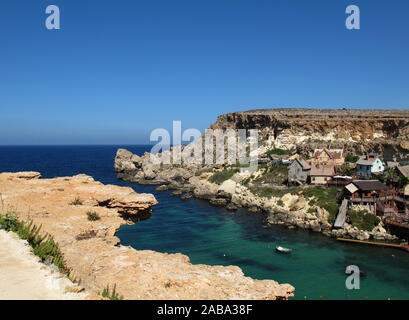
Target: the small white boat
pixel 283 250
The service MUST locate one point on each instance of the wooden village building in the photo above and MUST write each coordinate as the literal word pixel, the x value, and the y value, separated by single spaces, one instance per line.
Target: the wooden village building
pixel 374 195
pixel 368 165
pixel 298 171
pixel 327 157
pixel 322 174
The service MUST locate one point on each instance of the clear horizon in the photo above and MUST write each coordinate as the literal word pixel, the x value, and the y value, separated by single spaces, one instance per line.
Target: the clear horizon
pixel 118 70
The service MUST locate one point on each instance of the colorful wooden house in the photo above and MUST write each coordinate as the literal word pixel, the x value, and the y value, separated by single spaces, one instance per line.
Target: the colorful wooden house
pixel 373 194
pixel 368 165
pixel 322 174
pixel 328 157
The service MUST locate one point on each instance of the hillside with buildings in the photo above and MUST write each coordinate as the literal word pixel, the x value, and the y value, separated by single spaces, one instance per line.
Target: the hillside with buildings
pixel 317 170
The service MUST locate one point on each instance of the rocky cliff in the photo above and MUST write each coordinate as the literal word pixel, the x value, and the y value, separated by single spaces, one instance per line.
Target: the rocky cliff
pixel 382 131
pixel 94 254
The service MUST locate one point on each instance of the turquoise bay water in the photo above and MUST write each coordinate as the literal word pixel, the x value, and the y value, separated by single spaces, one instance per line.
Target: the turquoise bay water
pixel 315 268
pixel 215 236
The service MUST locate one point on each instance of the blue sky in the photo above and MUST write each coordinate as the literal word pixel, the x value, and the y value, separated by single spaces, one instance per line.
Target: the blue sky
pixel 119 69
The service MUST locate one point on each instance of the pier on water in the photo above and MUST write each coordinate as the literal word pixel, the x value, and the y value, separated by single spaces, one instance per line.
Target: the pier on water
pixel 342 215
pixel 382 244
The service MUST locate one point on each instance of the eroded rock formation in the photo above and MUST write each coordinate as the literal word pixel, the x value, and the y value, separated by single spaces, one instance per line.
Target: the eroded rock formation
pixel 360 131
pixel 95 255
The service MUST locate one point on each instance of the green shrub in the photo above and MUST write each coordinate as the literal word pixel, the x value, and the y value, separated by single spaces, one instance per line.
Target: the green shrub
pixel 76 202
pixel 280 203
pixel 346 171
pixel 43 246
pixel 363 220
pixel 106 293
pixel 351 158
pixel 93 216
pixel 220 176
pixel 312 202
pixel 277 151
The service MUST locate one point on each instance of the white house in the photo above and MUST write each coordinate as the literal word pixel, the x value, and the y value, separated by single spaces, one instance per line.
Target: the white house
pixel 368 165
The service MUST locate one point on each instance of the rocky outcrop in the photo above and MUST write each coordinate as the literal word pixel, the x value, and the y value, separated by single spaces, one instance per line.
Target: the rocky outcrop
pixel 94 253
pixel 359 131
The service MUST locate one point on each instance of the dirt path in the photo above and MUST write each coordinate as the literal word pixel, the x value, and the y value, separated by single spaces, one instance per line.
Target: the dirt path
pixel 23 277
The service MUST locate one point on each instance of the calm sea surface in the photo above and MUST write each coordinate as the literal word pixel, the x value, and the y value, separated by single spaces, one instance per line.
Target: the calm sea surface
pixel 215 236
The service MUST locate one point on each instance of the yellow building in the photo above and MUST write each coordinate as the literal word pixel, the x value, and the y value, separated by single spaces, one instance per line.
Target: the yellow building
pixel 328 157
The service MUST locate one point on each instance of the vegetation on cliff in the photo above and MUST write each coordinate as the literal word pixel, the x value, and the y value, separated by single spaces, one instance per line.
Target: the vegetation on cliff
pixel 363 220
pixel 277 152
pixel 220 176
pixel 351 158
pixel 276 175
pixel 318 196
pixel 43 246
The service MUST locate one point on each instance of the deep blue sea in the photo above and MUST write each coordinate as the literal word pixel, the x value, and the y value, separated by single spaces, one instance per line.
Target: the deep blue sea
pixel 215 236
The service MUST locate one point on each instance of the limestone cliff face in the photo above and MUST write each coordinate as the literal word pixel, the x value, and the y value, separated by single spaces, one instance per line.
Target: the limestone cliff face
pixel 382 131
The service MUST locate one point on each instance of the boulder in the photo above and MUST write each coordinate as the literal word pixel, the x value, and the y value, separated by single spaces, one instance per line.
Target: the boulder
pixel 220 202
pixel 231 207
pixel 228 187
pixel 202 188
pixel 137 161
pixel 298 204
pixel 163 187
pixel 186 196
pixel 123 161
pixel 179 174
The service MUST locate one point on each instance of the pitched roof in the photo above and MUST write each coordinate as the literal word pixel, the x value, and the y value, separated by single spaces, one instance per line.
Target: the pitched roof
pixel 304 164
pixel 327 171
pixel 367 160
pixel 332 153
pixel 351 188
pixel 370 185
pixel 404 170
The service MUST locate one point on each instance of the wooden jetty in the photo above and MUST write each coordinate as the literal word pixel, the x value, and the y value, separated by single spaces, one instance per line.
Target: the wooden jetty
pixel 342 215
pixel 382 244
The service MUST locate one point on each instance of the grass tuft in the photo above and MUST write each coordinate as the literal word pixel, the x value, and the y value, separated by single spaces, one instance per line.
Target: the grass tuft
pixel 106 293
pixel 93 216
pixel 76 202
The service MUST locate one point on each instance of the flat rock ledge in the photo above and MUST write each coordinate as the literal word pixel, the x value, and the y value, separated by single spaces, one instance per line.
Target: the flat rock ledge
pixel 95 255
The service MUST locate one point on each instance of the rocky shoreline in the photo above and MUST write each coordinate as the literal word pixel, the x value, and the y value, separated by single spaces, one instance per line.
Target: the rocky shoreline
pixel 94 254
pixel 190 180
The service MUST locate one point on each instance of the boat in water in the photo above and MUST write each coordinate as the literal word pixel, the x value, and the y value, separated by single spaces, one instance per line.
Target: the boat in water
pixel 283 250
